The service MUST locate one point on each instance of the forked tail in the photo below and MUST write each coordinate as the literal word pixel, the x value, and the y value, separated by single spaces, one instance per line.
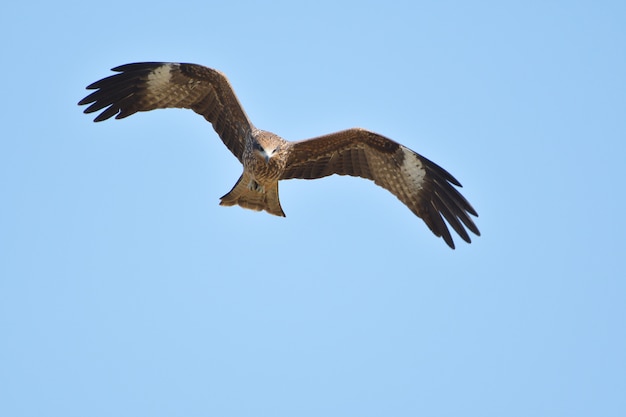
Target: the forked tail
pixel 248 194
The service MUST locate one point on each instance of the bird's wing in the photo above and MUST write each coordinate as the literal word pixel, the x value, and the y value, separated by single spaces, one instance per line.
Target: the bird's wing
pixel 423 186
pixel 158 85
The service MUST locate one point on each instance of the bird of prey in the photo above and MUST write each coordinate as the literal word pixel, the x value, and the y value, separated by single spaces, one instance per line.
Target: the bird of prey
pixel 423 186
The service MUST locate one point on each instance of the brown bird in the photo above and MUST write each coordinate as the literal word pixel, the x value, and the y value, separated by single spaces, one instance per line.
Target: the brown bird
pixel 423 186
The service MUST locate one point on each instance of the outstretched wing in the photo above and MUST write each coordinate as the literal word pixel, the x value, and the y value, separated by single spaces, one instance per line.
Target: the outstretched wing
pixel 158 85
pixel 423 186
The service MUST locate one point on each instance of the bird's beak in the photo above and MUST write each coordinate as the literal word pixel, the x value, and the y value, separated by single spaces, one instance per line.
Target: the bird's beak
pixel 266 155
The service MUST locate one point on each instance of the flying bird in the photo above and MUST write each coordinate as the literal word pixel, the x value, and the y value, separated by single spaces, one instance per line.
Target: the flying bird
pixel 423 186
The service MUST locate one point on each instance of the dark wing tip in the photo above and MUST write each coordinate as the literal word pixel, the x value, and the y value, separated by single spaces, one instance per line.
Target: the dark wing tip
pixel 444 205
pixel 114 93
pixel 440 172
pixel 139 66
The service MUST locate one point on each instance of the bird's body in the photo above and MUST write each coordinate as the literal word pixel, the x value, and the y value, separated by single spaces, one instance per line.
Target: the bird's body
pixel 263 165
pixel 423 186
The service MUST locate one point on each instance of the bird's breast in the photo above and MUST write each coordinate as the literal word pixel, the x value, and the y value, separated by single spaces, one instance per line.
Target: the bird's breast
pixel 263 171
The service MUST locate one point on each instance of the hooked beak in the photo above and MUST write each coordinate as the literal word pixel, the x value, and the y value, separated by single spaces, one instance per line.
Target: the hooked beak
pixel 265 155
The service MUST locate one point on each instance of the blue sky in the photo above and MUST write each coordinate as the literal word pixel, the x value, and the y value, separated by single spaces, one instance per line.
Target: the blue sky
pixel 126 290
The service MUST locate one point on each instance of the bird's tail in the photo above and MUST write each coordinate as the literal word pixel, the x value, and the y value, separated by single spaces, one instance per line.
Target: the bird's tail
pixel 247 194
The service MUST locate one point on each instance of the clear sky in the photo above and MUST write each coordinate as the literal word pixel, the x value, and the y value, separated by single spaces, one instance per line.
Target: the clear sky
pixel 126 290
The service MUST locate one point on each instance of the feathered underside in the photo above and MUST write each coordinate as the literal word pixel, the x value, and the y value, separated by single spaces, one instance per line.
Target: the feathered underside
pixel 423 186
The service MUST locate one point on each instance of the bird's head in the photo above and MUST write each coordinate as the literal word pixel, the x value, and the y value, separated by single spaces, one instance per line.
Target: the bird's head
pixel 266 146
pixel 264 153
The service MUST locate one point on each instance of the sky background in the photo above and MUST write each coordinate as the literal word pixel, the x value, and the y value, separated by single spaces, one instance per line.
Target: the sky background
pixel 126 290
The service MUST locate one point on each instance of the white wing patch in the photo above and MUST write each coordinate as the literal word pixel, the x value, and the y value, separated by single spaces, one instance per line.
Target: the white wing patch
pixel 412 168
pixel 160 77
